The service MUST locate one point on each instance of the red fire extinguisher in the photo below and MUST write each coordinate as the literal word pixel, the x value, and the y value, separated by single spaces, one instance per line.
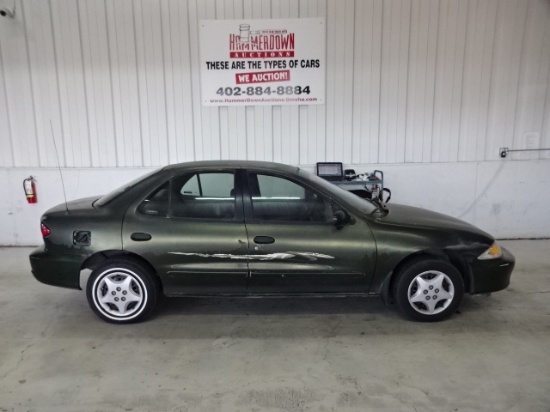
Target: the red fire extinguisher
pixel 30 189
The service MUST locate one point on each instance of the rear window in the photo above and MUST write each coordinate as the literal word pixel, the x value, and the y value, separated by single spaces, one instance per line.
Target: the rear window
pixel 102 201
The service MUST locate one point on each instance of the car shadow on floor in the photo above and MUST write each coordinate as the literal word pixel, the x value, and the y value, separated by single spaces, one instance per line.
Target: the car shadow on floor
pixel 279 306
pixel 310 317
pixel 212 318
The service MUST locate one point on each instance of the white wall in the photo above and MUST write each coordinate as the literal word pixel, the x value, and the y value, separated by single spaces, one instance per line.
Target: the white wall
pixel 426 90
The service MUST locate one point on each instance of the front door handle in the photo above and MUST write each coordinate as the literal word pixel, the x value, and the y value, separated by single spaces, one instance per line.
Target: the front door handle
pixel 264 240
pixel 140 237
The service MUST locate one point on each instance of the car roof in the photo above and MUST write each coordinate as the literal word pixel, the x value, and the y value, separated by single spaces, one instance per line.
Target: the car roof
pixel 237 164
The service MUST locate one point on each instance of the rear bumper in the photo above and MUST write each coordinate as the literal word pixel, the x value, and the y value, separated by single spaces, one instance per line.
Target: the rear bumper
pixel 56 269
pixel 492 275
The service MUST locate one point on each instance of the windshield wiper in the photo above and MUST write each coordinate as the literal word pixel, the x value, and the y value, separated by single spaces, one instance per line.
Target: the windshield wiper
pixel 380 206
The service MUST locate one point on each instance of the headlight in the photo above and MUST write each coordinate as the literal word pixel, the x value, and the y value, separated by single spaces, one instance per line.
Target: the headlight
pixel 494 252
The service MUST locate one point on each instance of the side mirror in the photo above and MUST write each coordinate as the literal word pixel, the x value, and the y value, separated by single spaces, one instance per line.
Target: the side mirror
pixel 340 218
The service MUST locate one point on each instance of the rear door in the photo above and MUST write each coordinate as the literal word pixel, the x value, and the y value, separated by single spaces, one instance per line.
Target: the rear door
pixel 191 229
pixel 294 245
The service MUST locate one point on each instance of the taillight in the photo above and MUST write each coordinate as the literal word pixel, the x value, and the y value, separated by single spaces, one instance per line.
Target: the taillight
pixel 45 230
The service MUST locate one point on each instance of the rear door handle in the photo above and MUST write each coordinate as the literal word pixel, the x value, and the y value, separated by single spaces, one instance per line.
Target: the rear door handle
pixel 140 237
pixel 264 240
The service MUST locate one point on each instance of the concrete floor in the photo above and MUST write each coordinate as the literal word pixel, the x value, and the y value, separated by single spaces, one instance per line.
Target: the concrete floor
pixel 276 354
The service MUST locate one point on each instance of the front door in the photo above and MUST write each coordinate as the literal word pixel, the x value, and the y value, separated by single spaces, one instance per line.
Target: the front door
pixel 295 247
pixel 191 229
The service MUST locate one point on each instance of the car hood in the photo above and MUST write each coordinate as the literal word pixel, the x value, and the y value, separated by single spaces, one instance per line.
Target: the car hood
pixel 416 217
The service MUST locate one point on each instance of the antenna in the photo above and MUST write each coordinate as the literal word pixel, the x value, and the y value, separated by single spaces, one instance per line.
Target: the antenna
pixel 59 167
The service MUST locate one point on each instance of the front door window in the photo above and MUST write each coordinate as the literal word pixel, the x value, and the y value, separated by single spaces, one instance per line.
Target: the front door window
pixel 276 199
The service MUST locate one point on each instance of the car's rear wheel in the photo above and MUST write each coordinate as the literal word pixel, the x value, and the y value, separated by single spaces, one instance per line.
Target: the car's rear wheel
pixel 428 290
pixel 122 291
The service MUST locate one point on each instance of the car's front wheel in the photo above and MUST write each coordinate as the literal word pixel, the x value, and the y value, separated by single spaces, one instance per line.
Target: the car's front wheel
pixel 122 291
pixel 428 290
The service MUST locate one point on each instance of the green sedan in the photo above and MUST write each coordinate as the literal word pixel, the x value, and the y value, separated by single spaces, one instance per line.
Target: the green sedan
pixel 236 228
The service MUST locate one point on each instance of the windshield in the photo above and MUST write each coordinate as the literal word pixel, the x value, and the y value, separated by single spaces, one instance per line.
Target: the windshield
pixel 364 205
pixel 102 201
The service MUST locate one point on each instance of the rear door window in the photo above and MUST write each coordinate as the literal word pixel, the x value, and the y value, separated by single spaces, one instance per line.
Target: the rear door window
pixel 204 196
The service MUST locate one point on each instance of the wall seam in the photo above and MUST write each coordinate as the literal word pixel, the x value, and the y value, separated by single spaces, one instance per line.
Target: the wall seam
pixel 353 77
pixel 435 80
pixel 138 86
pixel 111 81
pixel 545 41
pixel 520 70
pixel 85 85
pixel 546 113
pixel 191 82
pixel 380 81
pixel 491 81
pixel 165 88
pixel 325 106
pixel 28 55
pixel 407 85
pixel 462 83
pixel 7 106
pixel 58 88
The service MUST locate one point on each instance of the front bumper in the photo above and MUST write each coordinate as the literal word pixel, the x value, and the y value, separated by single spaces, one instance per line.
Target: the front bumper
pixel 56 269
pixel 492 275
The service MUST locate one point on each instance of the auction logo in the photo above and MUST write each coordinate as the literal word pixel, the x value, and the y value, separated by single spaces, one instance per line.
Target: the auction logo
pixel 261 44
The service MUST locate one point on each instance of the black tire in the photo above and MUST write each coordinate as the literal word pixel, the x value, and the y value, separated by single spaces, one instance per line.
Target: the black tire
pixel 122 291
pixel 428 290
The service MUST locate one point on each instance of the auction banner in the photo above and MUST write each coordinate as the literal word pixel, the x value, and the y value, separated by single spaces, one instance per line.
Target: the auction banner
pixel 262 62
